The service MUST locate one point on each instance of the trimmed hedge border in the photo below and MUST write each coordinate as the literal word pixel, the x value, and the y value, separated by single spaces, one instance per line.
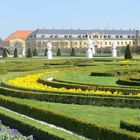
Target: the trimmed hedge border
pixel 112 101
pixel 27 129
pixel 79 126
pixel 131 123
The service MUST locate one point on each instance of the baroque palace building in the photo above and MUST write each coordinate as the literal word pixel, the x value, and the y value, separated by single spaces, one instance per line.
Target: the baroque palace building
pixel 78 38
pixel 72 38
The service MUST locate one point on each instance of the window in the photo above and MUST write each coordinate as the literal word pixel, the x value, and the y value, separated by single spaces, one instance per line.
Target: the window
pixel 79 36
pixel 109 36
pixel 118 43
pixel 110 43
pixel 121 43
pixel 105 43
pixel 100 36
pixel 56 36
pixel 128 36
pixel 117 36
pixel 129 42
pixel 125 43
pixel 121 36
pixel 104 36
pixel 42 36
pixel 65 36
pixel 70 36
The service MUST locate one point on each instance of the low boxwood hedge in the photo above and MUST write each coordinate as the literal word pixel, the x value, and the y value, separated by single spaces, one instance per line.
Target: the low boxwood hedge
pixel 98 100
pixel 131 123
pixel 79 126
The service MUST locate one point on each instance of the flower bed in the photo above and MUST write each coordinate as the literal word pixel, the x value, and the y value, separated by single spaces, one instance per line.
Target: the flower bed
pixel 12 134
pixel 31 81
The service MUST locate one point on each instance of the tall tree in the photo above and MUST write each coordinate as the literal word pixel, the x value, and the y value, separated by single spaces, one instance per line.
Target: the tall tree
pixel 29 53
pixel 15 53
pixel 73 52
pixel 128 53
pixel 46 50
pixel 58 52
pixel 35 52
pixel 5 53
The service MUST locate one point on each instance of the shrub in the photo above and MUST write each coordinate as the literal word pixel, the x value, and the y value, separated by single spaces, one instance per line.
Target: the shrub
pixel 35 52
pixel 131 124
pixel 29 53
pixel 46 50
pixel 58 52
pixel 73 52
pixel 80 126
pixel 15 53
pixel 4 54
pixel 128 53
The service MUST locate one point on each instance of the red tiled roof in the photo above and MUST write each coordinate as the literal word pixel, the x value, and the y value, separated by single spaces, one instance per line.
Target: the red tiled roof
pixel 21 34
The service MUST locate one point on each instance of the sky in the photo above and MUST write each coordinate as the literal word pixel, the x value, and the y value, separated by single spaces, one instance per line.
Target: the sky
pixel 68 14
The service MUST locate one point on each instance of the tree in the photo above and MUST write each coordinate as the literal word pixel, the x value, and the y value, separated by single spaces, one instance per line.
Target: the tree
pixel 73 52
pixel 15 53
pixel 128 53
pixel 35 52
pixel 29 53
pixel 4 54
pixel 58 52
pixel 46 50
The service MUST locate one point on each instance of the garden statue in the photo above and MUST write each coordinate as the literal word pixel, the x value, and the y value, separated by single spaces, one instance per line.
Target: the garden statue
pixel 49 53
pixel 89 52
pixel 114 50
pixel 23 49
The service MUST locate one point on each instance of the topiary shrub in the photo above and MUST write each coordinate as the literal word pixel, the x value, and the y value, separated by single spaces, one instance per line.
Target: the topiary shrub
pixel 46 50
pixel 128 53
pixel 29 53
pixel 73 52
pixel 4 54
pixel 35 52
pixel 58 52
pixel 15 53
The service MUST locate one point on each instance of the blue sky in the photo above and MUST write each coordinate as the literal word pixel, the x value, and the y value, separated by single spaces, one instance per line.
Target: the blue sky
pixel 84 14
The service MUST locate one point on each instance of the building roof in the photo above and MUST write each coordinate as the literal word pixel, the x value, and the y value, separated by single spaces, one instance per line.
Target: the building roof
pixel 20 34
pixel 79 31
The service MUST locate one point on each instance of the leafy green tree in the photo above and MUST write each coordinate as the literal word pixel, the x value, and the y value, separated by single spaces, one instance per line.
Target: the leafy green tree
pixel 128 53
pixel 35 52
pixel 29 53
pixel 46 50
pixel 15 53
pixel 73 52
pixel 58 52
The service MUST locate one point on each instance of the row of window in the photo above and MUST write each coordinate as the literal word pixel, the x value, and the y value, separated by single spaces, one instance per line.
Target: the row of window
pixel 118 43
pixel 82 36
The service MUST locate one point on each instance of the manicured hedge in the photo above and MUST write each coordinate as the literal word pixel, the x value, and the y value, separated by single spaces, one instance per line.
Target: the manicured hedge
pixel 79 126
pixel 98 100
pixel 27 128
pixel 125 80
pixel 131 123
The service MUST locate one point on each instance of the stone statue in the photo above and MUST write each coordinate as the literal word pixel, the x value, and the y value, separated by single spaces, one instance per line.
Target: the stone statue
pixel 23 49
pixel 114 50
pixel 49 53
pixel 89 53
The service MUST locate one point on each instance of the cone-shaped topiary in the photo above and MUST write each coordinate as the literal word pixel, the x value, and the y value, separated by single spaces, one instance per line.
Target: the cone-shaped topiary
pixel 15 53
pixel 73 52
pixel 128 53
pixel 58 52
pixel 35 52
pixel 46 50
pixel 29 53
pixel 4 54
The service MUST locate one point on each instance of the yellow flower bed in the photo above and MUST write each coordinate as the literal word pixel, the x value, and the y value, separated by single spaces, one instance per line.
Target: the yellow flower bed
pixel 31 81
